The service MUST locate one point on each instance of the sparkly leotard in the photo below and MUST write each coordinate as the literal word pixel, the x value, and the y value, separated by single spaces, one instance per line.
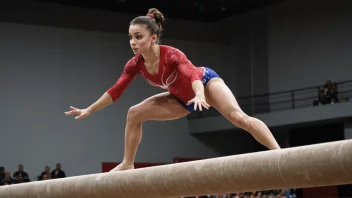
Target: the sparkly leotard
pixel 175 74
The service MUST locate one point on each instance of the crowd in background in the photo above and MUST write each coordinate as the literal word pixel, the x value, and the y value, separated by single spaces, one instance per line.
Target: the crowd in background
pixel 328 94
pixel 20 176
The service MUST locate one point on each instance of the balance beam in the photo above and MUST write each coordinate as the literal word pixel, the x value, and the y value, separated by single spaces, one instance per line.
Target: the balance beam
pixel 299 167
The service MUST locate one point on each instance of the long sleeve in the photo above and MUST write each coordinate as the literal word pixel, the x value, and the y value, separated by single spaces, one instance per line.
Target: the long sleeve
pixel 124 81
pixel 184 66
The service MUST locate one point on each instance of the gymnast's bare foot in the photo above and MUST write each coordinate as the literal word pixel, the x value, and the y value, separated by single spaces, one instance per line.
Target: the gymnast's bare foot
pixel 122 167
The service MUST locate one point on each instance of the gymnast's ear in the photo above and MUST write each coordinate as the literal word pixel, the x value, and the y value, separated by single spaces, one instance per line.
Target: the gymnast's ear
pixel 154 38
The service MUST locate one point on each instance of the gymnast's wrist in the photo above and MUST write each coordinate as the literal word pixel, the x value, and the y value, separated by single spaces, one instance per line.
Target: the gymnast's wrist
pixel 200 94
pixel 90 109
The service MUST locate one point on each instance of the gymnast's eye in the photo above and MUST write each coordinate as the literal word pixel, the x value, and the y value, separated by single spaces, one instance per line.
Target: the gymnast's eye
pixel 139 37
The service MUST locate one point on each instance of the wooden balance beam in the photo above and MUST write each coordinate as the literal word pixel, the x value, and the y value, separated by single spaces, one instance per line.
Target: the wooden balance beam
pixel 323 164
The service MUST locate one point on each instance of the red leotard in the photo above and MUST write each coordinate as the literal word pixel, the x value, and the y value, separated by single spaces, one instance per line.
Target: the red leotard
pixel 175 74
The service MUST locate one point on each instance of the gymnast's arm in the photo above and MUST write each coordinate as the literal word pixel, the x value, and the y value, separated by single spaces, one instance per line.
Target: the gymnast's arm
pixel 186 68
pixel 110 96
pixel 114 93
pixel 104 101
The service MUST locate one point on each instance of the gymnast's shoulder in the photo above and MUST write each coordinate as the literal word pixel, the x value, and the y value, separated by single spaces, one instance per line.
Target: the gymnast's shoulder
pixel 168 48
pixel 133 64
pixel 172 53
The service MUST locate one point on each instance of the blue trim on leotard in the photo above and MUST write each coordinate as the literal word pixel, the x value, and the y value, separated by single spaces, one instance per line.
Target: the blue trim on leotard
pixel 208 75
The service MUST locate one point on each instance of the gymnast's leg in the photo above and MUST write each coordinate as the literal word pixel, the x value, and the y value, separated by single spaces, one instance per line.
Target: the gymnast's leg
pixel 222 99
pixel 159 107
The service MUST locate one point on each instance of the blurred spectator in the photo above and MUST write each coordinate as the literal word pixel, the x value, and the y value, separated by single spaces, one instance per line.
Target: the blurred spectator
pixel 58 173
pixel 20 176
pixel 8 179
pixel 46 176
pixel 2 175
pixel 2 172
pixel 5 177
pixel 328 94
pixel 334 93
pixel 46 173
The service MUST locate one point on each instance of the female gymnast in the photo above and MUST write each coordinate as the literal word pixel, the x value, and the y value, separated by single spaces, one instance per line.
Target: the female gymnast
pixel 187 87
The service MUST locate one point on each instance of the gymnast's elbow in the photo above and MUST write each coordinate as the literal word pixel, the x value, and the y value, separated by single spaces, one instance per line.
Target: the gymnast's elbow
pixel 112 95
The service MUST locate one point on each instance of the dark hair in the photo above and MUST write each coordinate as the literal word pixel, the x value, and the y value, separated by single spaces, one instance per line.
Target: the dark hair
pixel 154 21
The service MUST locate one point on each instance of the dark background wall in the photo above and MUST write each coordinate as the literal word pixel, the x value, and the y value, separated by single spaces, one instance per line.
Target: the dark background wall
pixel 309 43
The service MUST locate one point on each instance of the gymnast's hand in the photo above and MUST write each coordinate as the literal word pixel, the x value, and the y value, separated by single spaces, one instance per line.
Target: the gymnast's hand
pixel 81 113
pixel 199 101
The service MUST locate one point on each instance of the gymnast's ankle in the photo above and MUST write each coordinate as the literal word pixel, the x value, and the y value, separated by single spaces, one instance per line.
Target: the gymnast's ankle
pixel 127 163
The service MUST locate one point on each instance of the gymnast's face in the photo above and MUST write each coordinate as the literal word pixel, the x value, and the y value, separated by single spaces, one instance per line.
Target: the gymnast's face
pixel 140 39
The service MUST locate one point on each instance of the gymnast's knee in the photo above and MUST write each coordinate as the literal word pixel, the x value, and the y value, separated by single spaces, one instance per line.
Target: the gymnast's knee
pixel 240 119
pixel 133 115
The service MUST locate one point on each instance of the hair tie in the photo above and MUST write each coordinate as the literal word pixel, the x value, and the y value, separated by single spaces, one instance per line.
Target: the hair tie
pixel 150 15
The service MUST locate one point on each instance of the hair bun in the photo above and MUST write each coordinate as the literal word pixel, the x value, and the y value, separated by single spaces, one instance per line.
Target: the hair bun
pixel 158 16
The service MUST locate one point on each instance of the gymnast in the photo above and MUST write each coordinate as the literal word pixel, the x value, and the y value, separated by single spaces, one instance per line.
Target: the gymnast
pixel 187 88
